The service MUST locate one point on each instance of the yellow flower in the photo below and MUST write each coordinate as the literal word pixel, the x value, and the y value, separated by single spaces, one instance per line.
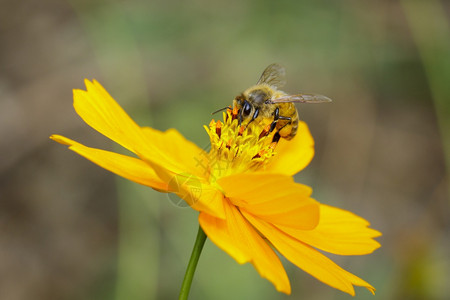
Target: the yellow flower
pixel 243 188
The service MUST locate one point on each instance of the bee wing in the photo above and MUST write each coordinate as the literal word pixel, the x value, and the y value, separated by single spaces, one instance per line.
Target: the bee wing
pixel 274 75
pixel 302 98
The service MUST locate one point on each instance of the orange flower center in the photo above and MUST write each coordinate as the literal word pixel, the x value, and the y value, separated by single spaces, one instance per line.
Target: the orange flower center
pixel 238 148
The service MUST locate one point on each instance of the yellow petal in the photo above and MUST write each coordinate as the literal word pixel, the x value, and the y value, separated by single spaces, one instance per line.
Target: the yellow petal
pixel 308 259
pixel 294 155
pixel 196 191
pixel 206 199
pixel 237 237
pixel 218 232
pixel 256 187
pixel 275 198
pixel 176 148
pixel 100 111
pixel 128 167
pixel 339 232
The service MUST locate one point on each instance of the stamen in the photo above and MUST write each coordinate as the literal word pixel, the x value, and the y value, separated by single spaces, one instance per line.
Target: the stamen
pixel 219 128
pixel 237 149
pixel 235 113
pixel 241 130
pixel 260 154
pixel 229 143
pixel 265 131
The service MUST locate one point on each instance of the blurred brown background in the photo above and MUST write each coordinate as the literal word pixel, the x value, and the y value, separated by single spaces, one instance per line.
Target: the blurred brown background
pixel 70 230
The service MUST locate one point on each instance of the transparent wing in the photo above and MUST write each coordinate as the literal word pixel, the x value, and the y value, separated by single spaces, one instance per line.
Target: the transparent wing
pixel 274 75
pixel 302 98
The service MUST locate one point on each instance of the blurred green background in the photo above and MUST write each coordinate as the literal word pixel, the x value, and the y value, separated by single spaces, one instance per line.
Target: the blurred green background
pixel 70 230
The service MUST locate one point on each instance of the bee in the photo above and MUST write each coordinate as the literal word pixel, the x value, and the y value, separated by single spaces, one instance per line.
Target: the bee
pixel 265 103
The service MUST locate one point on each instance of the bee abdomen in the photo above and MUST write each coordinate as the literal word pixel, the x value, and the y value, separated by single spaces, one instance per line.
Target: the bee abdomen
pixel 294 128
pixel 289 129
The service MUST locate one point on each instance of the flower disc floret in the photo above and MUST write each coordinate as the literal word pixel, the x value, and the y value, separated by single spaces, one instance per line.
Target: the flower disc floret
pixel 238 148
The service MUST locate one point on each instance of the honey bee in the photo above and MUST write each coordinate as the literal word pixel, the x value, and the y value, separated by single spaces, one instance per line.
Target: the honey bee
pixel 265 103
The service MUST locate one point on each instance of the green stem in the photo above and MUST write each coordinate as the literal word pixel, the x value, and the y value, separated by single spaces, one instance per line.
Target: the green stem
pixel 187 281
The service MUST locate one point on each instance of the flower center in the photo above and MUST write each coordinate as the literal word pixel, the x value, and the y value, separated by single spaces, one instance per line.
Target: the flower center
pixel 238 148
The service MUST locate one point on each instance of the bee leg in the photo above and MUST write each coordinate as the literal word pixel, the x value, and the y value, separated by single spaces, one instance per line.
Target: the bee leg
pixel 272 126
pixel 276 137
pixel 255 115
pixel 284 118
pixel 276 116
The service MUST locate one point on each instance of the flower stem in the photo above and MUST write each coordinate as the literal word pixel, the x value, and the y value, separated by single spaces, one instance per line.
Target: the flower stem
pixel 187 281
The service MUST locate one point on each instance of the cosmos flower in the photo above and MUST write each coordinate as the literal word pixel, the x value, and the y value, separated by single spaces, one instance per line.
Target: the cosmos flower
pixel 243 188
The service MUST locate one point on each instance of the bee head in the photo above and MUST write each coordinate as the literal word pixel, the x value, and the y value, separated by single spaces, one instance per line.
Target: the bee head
pixel 246 108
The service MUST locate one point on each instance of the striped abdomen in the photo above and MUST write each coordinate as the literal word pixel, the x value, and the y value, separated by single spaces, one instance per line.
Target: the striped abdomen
pixel 287 128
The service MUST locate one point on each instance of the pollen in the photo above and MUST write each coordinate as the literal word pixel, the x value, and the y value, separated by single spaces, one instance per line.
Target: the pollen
pixel 238 148
pixel 235 112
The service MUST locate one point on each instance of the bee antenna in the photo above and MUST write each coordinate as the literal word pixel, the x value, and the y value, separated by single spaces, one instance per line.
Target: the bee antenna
pixel 220 110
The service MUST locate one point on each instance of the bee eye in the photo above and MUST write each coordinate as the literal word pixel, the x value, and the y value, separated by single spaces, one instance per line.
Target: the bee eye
pixel 247 109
